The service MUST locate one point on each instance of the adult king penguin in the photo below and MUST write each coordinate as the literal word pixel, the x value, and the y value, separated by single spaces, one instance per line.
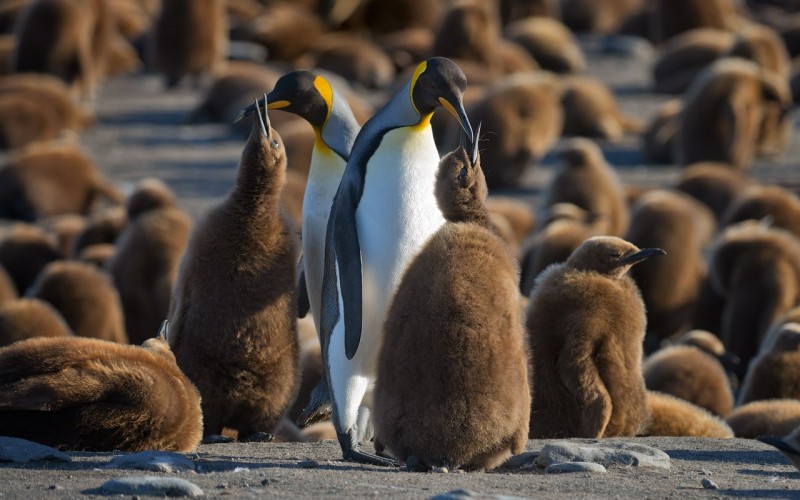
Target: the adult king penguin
pixel 314 99
pixel 382 215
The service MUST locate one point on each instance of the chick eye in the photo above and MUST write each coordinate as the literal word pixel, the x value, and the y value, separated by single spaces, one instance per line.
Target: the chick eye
pixel 274 144
pixel 462 175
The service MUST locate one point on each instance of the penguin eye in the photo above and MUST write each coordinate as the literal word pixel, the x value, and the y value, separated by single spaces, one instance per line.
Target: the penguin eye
pixel 274 144
pixel 462 175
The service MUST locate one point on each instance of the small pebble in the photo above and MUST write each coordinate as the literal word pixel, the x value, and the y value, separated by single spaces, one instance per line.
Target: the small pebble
pixel 440 470
pixel 55 487
pixel 148 485
pixel 709 484
pixel 265 482
pixel 308 464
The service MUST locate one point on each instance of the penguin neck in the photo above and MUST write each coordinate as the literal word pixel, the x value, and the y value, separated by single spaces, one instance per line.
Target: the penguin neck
pixel 476 213
pixel 259 183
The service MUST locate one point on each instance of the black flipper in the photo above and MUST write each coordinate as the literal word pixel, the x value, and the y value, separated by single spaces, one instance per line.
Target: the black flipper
pixel 303 303
pixel 348 258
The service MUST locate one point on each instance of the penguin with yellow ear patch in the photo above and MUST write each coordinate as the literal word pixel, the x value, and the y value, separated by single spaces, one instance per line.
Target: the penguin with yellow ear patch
pixel 383 214
pixel 314 99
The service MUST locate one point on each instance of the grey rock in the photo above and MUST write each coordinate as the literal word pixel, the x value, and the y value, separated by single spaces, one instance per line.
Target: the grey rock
pixel 709 484
pixel 22 451
pixel 150 485
pixel 472 495
pixel 574 467
pixel 156 461
pixel 606 454
pixel 525 460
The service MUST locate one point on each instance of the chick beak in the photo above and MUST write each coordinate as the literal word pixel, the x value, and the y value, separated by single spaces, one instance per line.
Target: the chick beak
pixel 641 255
pixel 263 120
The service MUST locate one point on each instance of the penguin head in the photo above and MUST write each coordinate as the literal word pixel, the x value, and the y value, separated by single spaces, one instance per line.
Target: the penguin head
pixel 461 187
pixel 440 82
pixel 305 94
pixel 609 255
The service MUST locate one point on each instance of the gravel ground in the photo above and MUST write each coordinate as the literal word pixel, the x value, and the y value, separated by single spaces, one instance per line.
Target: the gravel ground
pixel 141 131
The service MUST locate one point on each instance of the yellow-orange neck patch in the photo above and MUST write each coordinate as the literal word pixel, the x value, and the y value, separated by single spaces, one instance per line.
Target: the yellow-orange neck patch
pixel 417 72
pixel 326 91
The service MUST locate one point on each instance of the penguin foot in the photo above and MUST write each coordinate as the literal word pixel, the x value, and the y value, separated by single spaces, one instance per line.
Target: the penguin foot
pixel 258 437
pixel 217 439
pixel 363 457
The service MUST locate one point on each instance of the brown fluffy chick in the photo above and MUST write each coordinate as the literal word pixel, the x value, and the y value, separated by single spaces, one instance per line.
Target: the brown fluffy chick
pixel 685 55
pixel 88 394
pixel 775 373
pixel 24 251
pixel 455 324
pixel 672 416
pixel 591 110
pixel 590 16
pixel 683 227
pixel 86 298
pixel 28 318
pixel 145 265
pixel 770 417
pixel 757 202
pixel 586 323
pixel 52 180
pixel 42 87
pixel 723 111
pixel 586 180
pixel 233 310
pixel 756 270
pixel 470 31
pixel 550 43
pixel 689 373
pixel 189 37
pixel 715 185
pixel 672 17
pixel 102 227
pixel 97 255
pixel 355 58
pixel 150 194
pixel 522 118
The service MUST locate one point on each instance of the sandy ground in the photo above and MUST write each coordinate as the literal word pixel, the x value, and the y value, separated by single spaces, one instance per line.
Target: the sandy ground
pixel 141 131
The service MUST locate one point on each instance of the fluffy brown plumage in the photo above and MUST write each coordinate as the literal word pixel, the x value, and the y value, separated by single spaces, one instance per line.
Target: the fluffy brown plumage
pixel 55 37
pixel 775 372
pixel 590 16
pixel 189 37
pixel 88 394
pixel 354 58
pixel 456 325
pixel 52 180
pixel 27 318
pixel 24 120
pixel 550 43
pixel 150 194
pixel 772 417
pixel 586 180
pixel 689 373
pixel 671 416
pixel 521 116
pixel 591 110
pixel 715 185
pixel 8 291
pixel 286 29
pixel 519 215
pixel 101 228
pixel 469 31
pixel 97 255
pixel 685 55
pixel 671 17
pixel 586 323
pixel 723 112
pixel 145 265
pixel 554 243
pixel 780 205
pixel 47 88
pixel 682 227
pixel 24 251
pixel 233 311
pixel 756 270
pixel 85 297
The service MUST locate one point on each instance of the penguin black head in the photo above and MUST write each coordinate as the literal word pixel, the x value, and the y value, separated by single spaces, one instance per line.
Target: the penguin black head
pixel 304 94
pixel 440 82
pixel 609 255
pixel 301 92
pixel 461 188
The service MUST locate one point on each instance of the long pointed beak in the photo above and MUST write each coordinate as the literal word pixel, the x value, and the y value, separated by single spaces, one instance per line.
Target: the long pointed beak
pixel 641 255
pixel 271 103
pixel 473 151
pixel 163 330
pixel 263 120
pixel 457 110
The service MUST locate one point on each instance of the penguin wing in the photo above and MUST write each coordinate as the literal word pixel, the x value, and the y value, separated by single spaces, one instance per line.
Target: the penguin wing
pixel 348 263
pixel 580 376
pixel 303 303
pixel 53 391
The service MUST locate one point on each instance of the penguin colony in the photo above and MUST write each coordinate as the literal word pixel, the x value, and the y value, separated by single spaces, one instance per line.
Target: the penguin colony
pixel 350 149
